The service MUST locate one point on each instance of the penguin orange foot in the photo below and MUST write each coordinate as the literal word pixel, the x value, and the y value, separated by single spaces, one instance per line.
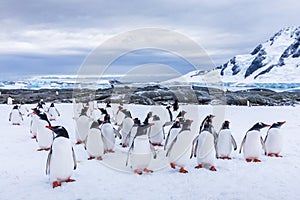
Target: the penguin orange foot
pixel 99 158
pixel 198 166
pixel 182 170
pixel 69 180
pixel 78 142
pixel 248 159
pixel 56 184
pixel 91 158
pixel 256 160
pixel 270 154
pixel 139 172
pixel 212 168
pixel 172 165
pixel 277 155
pixel 148 170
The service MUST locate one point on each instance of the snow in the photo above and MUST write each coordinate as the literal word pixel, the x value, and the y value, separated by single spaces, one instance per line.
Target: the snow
pixel 22 169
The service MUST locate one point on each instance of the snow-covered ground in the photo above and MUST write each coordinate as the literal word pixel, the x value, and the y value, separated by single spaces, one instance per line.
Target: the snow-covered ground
pixel 22 167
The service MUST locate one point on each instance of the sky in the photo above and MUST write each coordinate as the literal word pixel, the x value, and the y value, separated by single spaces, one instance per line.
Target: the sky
pixel 55 37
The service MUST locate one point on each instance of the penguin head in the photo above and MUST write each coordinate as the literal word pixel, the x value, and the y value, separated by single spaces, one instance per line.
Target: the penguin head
pixel 155 118
pixel 258 126
pixel 84 111
pixel 206 126
pixel 225 125
pixel 176 124
pixel 186 125
pixel 137 121
pixel 43 116
pixel 36 111
pixel 96 124
pixel 277 124
pixel 16 107
pixel 52 105
pixel 60 131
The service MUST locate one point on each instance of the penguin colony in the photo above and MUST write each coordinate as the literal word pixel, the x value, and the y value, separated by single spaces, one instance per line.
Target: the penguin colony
pixel 99 130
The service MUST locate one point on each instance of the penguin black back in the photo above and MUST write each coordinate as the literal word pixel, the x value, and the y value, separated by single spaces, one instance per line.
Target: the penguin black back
pixel 258 126
pixel 43 116
pixel 60 131
pixel 277 124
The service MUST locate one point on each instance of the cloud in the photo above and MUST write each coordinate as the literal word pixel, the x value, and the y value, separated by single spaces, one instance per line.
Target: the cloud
pixel 73 28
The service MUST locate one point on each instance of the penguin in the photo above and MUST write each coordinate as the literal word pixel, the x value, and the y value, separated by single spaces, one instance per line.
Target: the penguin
pixel 82 126
pixel 15 116
pixel 172 134
pixel 94 142
pixel 34 122
pixel 141 151
pixel 44 136
pixel 156 132
pixel 204 148
pixel 108 134
pixel 225 142
pixel 274 140
pixel 119 116
pixel 133 131
pixel 53 112
pixel 208 120
pixel 126 127
pixel 253 142
pixel 61 159
pixel 179 150
pixel 110 111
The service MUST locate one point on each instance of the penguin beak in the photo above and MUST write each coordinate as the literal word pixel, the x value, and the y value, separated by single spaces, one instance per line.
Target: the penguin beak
pixel 283 122
pixel 49 127
pixel 268 125
pixel 191 121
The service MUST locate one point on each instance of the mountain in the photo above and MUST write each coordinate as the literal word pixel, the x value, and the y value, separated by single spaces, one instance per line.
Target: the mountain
pixel 274 62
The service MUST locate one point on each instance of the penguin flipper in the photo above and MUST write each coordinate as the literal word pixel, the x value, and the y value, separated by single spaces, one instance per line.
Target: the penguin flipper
pixel 263 144
pixel 171 146
pixel 194 147
pixel 117 133
pixel 243 142
pixel 266 137
pixel 233 143
pixel 74 159
pixel 167 140
pixel 48 162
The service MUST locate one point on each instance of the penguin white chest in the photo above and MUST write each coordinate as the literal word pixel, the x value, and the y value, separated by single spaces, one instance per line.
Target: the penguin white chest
pixel 156 132
pixel 94 143
pixel 108 136
pixel 16 117
pixel 140 156
pixel 224 145
pixel 180 152
pixel 252 147
pixel 205 150
pixel 274 142
pixel 61 163
pixel 82 127
pixel 172 135
pixel 44 136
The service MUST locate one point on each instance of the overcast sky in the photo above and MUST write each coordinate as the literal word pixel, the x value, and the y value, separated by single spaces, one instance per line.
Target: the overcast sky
pixel 55 36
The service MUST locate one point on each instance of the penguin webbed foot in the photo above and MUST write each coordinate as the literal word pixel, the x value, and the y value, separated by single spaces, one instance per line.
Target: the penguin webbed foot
pixel 182 170
pixel 56 184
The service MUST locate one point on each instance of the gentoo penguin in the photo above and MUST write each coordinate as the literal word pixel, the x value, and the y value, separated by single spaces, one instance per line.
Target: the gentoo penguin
pixel 208 120
pixel 126 127
pixel 110 111
pixel 119 116
pixel 172 134
pixel 94 142
pixel 53 112
pixel 141 151
pixel 108 134
pixel 61 159
pixel 274 140
pixel 15 116
pixel 34 122
pixel 82 126
pixel 156 132
pixel 204 148
pixel 253 142
pixel 225 142
pixel 44 136
pixel 179 150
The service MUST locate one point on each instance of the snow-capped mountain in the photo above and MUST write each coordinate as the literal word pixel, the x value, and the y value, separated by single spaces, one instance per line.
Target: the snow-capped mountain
pixel 277 61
